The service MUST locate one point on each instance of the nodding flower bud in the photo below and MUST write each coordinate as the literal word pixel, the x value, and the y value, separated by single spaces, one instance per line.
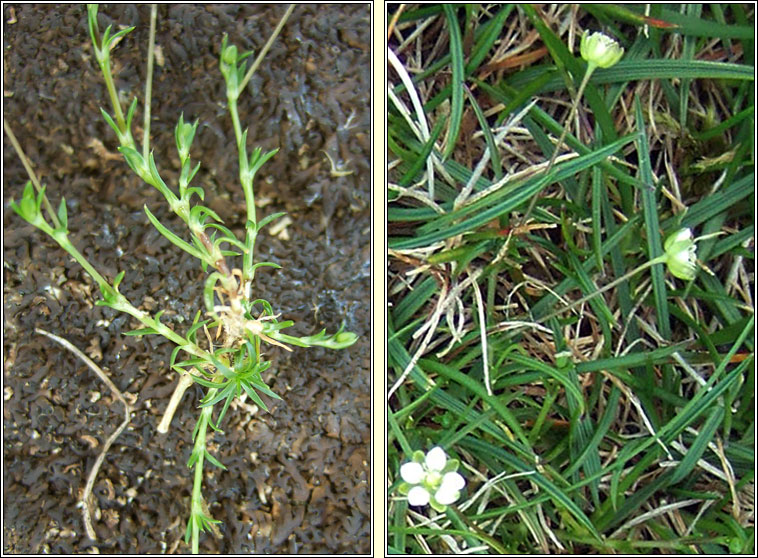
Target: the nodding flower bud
pixel 600 50
pixel 681 254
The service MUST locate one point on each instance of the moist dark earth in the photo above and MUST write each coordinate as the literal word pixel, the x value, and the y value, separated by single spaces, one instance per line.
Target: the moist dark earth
pixel 298 476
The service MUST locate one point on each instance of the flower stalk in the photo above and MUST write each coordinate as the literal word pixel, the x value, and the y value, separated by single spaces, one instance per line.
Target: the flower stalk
pixel 679 255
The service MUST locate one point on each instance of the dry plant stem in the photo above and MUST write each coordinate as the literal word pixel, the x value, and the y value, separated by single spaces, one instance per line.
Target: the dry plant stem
pixel 30 172
pixel 112 438
pixel 185 381
pixel 267 46
pixel 149 82
pixel 393 22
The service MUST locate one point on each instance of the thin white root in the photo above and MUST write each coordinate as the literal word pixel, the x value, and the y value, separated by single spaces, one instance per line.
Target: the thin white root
pixel 84 502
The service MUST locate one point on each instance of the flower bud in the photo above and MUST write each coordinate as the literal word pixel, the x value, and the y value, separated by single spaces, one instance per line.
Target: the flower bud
pixel 600 50
pixel 230 55
pixel 681 254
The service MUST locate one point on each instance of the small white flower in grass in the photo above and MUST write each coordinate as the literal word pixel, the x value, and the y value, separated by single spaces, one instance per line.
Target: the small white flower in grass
pixel 681 254
pixel 600 50
pixel 431 479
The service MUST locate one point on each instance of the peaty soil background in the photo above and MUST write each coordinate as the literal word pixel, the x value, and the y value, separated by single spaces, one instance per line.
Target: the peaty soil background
pixel 298 476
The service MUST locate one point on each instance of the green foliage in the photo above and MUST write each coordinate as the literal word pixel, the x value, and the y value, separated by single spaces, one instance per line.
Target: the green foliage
pixel 591 358
pixel 235 368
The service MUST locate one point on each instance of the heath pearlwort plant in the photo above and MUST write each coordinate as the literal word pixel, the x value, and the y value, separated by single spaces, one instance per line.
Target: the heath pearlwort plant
pixel 223 349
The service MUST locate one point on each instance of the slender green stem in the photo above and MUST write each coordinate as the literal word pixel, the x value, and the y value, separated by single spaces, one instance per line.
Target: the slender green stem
pixel 650 263
pixel 574 107
pixel 105 67
pixel 197 487
pixel 65 243
pixel 235 120
pixel 149 82
pixel 247 187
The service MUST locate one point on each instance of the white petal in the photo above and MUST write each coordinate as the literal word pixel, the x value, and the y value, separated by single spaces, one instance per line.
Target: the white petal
pixel 452 481
pixel 445 496
pixel 436 459
pixel 412 473
pixel 684 234
pixel 449 490
pixel 418 496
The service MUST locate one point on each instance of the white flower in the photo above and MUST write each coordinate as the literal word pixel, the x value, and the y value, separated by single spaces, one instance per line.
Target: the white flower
pixel 681 254
pixel 431 479
pixel 600 50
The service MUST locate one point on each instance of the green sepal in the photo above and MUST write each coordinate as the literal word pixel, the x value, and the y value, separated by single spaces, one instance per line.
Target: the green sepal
pixel 266 220
pixel 213 460
pixel 439 508
pixel 451 466
pixel 418 456
pixel 187 247
pixel 179 135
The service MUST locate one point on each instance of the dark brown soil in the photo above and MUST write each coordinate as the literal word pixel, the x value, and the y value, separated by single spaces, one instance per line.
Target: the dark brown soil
pixel 298 477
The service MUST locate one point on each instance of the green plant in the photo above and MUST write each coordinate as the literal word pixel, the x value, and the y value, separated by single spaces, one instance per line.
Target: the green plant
pixel 232 364
pixel 590 363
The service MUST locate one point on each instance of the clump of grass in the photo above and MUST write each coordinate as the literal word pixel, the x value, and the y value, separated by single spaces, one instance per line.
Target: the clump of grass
pixel 589 414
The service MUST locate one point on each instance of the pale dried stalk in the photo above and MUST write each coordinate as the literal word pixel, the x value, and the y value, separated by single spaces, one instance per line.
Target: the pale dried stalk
pixel 185 381
pixel 84 502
